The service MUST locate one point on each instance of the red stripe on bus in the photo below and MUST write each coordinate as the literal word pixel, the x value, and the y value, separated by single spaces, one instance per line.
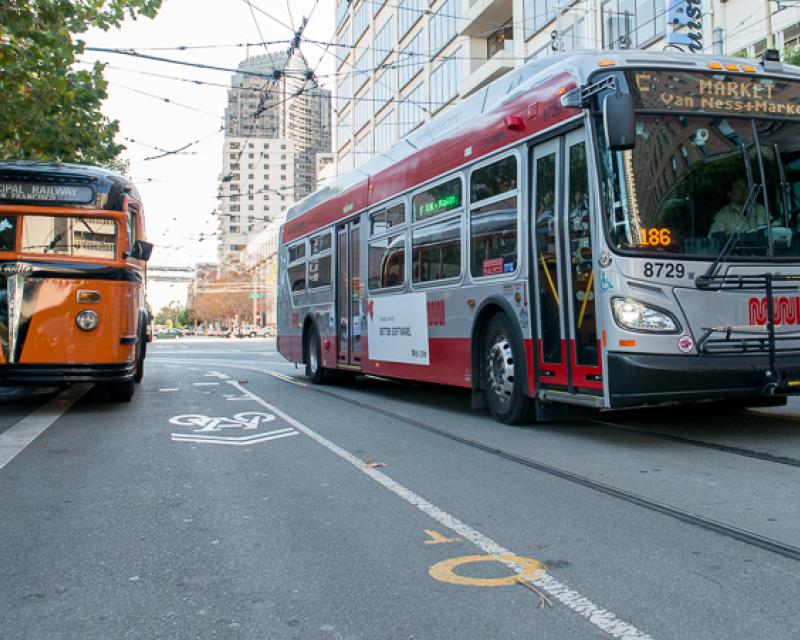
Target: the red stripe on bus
pixel 470 142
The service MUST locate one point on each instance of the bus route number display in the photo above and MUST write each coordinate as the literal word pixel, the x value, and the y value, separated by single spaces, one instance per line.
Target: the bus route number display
pixel 715 93
pixel 656 237
pixel 42 192
pixel 397 328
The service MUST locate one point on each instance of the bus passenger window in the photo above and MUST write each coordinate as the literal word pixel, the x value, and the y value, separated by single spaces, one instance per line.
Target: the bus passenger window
pixel 386 262
pixel 297 272
pixel 437 251
pixel 493 236
pixel 8 232
pixel 319 266
pixel 493 224
pixel 494 179
pixel 297 277
pixel 131 228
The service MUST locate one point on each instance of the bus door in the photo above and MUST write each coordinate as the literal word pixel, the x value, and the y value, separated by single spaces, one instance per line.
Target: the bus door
pixel 566 347
pixel 348 294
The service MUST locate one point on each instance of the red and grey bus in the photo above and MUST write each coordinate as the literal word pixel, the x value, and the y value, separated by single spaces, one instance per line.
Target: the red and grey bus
pixel 595 229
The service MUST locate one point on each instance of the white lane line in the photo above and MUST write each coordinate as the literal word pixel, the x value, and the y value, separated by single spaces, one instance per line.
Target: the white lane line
pixel 601 618
pixel 14 439
pixel 167 390
pixel 205 384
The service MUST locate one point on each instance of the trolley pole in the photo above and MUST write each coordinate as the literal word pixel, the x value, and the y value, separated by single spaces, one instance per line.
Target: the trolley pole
pixel 770 37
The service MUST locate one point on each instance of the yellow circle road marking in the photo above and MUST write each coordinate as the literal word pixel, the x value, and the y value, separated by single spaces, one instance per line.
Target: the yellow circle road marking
pixel 445 570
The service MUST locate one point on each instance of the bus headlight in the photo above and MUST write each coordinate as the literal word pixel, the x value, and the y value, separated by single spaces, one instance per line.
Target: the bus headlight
pixel 637 316
pixel 87 320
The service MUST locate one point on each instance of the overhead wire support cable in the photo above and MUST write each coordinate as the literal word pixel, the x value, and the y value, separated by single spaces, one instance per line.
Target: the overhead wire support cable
pixel 198 65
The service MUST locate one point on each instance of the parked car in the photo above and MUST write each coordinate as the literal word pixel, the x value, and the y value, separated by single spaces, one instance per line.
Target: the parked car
pixel 267 332
pixel 168 333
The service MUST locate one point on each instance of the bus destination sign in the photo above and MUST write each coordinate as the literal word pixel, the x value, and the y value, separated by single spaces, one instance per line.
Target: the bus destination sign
pixel 443 197
pixel 45 192
pixel 716 93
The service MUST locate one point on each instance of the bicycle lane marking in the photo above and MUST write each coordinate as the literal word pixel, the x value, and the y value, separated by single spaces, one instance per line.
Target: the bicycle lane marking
pixel 14 439
pixel 601 618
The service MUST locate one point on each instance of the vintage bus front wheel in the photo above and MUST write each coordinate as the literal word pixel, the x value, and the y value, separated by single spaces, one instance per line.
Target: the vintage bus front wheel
pixel 314 371
pixel 503 379
pixel 120 391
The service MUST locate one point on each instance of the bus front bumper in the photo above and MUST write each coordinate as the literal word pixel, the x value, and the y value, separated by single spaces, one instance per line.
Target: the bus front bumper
pixel 60 373
pixel 641 379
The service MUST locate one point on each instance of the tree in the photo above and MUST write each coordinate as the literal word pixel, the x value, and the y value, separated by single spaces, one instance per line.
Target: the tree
pixel 170 314
pixel 791 55
pixel 222 299
pixel 50 111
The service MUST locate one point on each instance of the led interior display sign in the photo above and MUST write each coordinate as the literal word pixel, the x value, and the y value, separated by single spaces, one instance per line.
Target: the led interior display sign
pixel 656 237
pixel 45 192
pixel 441 198
pixel 714 93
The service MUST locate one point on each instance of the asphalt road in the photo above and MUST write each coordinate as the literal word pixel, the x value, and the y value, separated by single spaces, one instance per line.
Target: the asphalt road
pixel 231 500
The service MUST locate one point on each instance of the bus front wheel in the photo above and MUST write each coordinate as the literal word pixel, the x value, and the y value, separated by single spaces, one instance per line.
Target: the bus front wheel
pixel 120 391
pixel 502 376
pixel 141 352
pixel 314 371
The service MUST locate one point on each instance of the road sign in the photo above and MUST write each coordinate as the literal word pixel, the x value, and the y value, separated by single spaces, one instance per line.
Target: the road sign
pixel 257 296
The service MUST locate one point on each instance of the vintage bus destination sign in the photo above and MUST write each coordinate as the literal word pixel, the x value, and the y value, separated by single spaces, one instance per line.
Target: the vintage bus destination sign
pixel 680 91
pixel 44 192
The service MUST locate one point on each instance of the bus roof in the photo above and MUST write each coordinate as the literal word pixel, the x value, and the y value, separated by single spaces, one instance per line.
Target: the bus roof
pixel 472 119
pixel 26 182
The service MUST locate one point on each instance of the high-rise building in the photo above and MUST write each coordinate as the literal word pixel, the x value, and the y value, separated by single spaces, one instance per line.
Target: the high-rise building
pixel 402 62
pixel 276 124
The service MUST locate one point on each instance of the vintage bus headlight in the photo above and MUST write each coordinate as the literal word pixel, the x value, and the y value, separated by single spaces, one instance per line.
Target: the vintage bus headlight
pixel 87 320
pixel 637 316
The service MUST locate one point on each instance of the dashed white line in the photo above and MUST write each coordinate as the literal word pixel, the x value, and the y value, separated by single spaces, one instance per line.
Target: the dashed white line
pixel 205 384
pixel 14 439
pixel 168 390
pixel 601 618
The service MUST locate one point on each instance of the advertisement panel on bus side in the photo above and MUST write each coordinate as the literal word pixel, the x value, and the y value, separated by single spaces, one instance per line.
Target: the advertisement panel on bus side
pixel 398 328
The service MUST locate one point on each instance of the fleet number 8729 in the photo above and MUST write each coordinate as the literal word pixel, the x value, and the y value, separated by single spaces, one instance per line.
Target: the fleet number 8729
pixel 664 270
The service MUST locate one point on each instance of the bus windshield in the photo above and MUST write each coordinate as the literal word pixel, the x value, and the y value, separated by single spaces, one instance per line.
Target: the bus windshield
pixel 69 235
pixel 693 181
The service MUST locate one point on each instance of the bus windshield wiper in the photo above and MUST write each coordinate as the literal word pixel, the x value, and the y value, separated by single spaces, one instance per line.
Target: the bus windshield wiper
pixel 735 234
pixel 86 224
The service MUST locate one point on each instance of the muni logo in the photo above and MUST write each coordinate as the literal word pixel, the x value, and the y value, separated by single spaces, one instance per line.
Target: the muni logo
pixel 784 310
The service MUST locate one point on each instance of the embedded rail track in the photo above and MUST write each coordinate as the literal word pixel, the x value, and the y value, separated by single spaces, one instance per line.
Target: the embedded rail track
pixel 739 451
pixel 709 524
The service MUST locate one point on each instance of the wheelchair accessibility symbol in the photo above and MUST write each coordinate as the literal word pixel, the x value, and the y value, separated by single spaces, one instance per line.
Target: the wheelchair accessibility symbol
pixel 605 283
pixel 248 421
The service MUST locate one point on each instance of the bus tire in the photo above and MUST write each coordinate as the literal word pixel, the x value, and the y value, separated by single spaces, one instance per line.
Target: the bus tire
pixel 504 390
pixel 314 371
pixel 141 352
pixel 121 391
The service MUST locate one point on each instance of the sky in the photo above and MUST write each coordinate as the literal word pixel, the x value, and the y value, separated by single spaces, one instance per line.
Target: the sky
pixel 179 190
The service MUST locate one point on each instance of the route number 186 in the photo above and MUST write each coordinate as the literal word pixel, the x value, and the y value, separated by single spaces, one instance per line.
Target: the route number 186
pixel 656 237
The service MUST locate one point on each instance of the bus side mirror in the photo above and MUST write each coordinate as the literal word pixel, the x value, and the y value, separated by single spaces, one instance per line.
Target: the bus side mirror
pixel 619 121
pixel 141 250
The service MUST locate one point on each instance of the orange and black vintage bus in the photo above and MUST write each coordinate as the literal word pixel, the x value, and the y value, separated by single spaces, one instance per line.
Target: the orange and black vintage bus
pixel 72 277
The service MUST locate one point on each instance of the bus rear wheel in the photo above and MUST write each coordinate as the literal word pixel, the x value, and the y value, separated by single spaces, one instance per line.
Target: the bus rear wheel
pixel 120 391
pixel 314 371
pixel 504 387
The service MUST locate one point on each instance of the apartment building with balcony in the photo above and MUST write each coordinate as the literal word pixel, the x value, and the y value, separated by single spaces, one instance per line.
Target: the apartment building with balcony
pixel 402 62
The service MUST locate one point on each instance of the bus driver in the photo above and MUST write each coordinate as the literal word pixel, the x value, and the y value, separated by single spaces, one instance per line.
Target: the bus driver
pixel 725 220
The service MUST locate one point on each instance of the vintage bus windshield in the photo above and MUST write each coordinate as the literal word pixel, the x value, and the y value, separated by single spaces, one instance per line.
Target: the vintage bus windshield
pixel 69 235
pixel 682 190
